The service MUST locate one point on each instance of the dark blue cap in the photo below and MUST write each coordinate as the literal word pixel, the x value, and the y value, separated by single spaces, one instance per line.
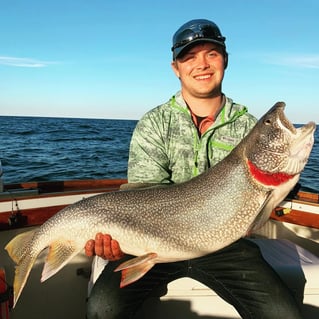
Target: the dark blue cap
pixel 195 31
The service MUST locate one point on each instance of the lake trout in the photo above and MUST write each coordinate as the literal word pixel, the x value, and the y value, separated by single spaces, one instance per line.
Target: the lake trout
pixel 181 221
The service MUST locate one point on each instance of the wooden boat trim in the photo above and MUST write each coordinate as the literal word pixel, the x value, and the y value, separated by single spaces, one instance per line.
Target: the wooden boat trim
pixel 296 217
pixel 26 204
pixel 68 185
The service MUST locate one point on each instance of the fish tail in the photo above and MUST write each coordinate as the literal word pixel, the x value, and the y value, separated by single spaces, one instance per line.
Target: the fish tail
pixel 19 246
pixel 22 272
pixel 19 251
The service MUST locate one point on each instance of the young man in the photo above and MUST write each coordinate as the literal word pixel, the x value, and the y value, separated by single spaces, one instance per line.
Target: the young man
pixel 172 143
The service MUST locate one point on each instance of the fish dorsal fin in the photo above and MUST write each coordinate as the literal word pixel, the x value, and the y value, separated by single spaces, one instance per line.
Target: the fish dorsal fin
pixel 135 268
pixel 60 252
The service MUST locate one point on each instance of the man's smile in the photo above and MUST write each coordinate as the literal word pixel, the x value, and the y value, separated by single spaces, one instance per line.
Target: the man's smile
pixel 203 76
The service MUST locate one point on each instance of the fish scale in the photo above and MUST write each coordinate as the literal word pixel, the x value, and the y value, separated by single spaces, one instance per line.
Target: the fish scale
pixel 181 221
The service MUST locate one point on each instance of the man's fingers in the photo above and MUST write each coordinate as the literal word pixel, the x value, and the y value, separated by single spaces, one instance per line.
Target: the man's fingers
pixel 112 250
pixel 104 246
pixel 107 249
pixel 99 245
pixel 89 248
pixel 116 250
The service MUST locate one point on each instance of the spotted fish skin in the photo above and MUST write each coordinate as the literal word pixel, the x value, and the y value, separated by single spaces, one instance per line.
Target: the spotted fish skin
pixel 181 221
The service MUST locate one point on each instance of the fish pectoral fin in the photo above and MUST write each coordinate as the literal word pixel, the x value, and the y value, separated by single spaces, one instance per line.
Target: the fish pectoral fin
pixel 262 215
pixel 60 252
pixel 135 268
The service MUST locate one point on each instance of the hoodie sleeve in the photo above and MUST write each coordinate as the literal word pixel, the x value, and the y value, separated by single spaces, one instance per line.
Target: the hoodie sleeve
pixel 148 161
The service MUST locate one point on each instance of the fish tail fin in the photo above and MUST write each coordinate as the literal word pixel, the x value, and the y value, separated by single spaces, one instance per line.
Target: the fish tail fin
pixel 19 251
pixel 19 246
pixel 135 268
pixel 22 272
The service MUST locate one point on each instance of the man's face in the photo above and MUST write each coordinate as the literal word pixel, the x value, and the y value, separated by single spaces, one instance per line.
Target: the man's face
pixel 201 70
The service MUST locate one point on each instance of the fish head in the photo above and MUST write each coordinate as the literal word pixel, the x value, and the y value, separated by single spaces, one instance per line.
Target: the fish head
pixel 276 150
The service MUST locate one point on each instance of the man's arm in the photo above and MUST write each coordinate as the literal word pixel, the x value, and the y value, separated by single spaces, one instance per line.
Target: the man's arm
pixel 148 159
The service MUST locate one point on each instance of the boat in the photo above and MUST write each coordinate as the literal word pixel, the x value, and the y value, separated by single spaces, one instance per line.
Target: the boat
pixel 289 242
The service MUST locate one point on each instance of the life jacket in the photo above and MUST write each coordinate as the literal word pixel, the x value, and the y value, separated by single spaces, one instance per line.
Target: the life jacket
pixel 5 296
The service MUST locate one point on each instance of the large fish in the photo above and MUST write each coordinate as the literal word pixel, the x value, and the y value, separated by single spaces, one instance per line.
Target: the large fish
pixel 178 222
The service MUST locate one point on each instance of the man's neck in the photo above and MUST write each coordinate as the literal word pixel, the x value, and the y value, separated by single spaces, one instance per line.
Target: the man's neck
pixel 205 106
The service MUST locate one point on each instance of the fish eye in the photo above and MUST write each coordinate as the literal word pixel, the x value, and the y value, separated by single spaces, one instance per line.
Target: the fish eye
pixel 267 122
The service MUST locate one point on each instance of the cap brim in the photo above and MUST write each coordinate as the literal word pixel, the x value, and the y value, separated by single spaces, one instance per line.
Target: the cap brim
pixel 178 51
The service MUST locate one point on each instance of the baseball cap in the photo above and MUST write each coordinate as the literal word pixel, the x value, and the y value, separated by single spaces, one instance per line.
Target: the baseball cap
pixel 195 31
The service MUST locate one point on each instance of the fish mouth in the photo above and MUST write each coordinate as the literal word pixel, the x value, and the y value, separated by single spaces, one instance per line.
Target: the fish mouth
pixel 302 142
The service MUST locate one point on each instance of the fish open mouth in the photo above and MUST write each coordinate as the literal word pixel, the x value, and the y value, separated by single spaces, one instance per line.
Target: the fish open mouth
pixel 302 142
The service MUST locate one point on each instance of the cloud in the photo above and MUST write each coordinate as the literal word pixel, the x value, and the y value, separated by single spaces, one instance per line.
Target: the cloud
pixel 309 61
pixel 306 61
pixel 23 62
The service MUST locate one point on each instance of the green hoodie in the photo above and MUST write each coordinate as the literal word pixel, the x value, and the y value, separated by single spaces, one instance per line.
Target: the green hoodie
pixel 166 147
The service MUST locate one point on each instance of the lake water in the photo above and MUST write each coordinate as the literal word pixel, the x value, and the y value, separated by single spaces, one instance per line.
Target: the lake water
pixel 47 149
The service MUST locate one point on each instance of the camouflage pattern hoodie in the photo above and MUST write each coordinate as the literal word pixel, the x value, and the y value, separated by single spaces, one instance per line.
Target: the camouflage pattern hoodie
pixel 166 146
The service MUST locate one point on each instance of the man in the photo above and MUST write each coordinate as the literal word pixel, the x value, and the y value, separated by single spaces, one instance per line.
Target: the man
pixel 172 143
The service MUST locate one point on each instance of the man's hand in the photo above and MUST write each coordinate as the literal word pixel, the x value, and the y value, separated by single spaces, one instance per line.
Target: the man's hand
pixel 104 246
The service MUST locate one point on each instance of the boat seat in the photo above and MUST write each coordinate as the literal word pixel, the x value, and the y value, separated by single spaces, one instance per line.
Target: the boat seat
pixel 297 267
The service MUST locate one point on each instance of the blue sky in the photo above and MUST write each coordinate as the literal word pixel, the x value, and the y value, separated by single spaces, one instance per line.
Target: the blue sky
pixel 111 59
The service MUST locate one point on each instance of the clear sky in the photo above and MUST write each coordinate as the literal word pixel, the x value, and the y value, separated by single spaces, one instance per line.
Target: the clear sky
pixel 111 59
